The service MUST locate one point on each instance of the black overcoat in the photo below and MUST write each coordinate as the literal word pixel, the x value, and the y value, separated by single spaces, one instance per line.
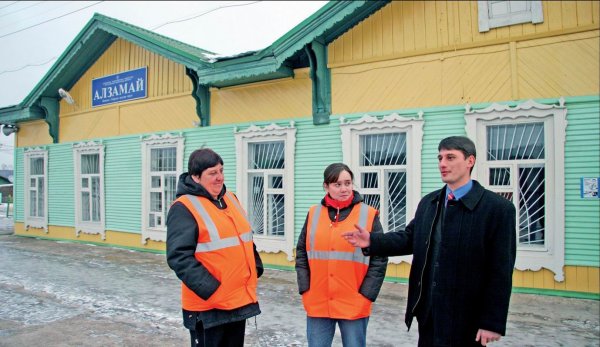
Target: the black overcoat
pixel 476 261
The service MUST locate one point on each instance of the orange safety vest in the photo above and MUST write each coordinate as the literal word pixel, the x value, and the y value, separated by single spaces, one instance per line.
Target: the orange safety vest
pixel 225 248
pixel 337 269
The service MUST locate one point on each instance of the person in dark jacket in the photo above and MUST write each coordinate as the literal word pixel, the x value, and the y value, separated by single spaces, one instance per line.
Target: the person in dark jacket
pixel 210 249
pixel 463 241
pixel 337 283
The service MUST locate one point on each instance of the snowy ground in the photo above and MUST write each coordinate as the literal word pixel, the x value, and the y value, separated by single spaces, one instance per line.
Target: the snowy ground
pixel 70 294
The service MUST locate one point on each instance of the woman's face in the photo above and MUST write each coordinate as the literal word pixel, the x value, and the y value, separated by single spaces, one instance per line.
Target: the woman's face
pixel 212 180
pixel 342 189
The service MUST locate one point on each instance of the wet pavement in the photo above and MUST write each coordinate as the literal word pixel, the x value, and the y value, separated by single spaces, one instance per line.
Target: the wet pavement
pixel 71 294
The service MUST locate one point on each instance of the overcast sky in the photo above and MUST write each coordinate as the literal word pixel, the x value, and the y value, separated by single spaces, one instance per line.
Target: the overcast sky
pixel 33 34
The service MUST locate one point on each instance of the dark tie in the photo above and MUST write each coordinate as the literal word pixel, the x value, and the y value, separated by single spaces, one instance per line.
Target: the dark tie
pixel 450 196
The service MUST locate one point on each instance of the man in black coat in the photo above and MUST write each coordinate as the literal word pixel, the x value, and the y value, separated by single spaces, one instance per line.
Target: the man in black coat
pixel 463 241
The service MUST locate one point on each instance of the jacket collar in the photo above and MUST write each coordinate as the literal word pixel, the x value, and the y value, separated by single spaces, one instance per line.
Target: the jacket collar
pixel 469 201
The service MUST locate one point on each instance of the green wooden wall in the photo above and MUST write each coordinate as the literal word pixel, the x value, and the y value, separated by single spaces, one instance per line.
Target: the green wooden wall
pixel 316 147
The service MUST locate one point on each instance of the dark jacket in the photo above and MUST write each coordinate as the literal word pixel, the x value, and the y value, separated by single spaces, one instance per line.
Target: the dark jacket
pixel 182 237
pixel 377 265
pixel 476 260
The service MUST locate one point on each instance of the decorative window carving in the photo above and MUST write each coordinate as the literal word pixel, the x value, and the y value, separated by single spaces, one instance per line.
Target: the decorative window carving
pixel 265 171
pixel 521 157
pixel 494 14
pixel 89 188
pixel 36 188
pixel 162 163
pixel 380 152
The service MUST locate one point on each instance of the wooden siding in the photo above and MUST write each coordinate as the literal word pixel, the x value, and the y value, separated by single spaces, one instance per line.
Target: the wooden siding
pixel 19 186
pixel 409 28
pixel 548 67
pixel 582 159
pixel 61 193
pixel 270 100
pixel 169 104
pixel 123 185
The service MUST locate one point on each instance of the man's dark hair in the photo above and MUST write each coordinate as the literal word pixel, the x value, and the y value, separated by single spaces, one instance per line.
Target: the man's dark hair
pixel 333 171
pixel 202 159
pixel 461 143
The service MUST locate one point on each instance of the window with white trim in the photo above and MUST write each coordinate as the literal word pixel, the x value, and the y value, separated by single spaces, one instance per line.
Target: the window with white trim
pixel 521 157
pixel 494 14
pixel 162 163
pixel 89 188
pixel 36 188
pixel 380 151
pixel 265 175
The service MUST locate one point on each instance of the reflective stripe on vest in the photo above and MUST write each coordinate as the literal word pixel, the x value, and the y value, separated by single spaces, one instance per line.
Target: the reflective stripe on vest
pixel 356 256
pixel 216 242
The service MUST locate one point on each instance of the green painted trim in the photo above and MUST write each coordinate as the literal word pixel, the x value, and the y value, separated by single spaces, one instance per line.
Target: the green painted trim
pixel 325 25
pixel 401 280
pixel 52 109
pixel 201 95
pixel 279 267
pixel 562 293
pixel 14 114
pixel 110 245
pixel 321 82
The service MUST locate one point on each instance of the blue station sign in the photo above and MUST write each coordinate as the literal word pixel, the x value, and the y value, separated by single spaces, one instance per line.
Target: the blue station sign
pixel 120 87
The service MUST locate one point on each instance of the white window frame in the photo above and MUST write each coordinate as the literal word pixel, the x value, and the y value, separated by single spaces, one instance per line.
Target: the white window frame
pixel 552 257
pixel 488 21
pixel 149 143
pixel 413 127
pixel 88 227
pixel 256 134
pixel 35 221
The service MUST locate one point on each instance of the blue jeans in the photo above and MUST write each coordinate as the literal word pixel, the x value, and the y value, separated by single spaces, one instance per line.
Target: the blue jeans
pixel 320 331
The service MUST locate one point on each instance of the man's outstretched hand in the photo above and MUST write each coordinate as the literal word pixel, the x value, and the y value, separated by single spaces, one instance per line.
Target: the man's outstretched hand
pixel 358 238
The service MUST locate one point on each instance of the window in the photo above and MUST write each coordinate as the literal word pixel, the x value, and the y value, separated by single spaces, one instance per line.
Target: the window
pixel 162 163
pixel 494 14
pixel 380 151
pixel 522 158
pixel 265 174
pixel 36 188
pixel 89 188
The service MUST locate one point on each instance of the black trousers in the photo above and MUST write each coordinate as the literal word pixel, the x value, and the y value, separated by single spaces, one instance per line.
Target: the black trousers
pixel 427 335
pixel 225 335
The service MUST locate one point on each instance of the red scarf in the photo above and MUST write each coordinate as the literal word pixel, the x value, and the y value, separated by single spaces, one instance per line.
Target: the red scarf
pixel 338 204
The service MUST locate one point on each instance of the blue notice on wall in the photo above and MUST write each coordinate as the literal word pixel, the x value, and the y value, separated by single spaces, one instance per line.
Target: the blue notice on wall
pixel 120 87
pixel 589 187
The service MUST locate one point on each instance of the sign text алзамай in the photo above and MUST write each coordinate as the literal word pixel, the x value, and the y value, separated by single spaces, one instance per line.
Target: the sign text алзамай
pixel 120 87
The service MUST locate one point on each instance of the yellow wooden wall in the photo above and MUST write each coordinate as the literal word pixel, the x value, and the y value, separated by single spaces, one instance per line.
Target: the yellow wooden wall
pixel 409 28
pixel 278 99
pixel 116 238
pixel 583 279
pixel 422 54
pixel 169 104
pixel 33 134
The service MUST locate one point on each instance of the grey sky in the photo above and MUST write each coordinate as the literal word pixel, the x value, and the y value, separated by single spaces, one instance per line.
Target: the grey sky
pixel 223 27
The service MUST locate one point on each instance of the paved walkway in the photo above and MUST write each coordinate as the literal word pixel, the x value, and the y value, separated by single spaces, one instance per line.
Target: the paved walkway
pixel 71 294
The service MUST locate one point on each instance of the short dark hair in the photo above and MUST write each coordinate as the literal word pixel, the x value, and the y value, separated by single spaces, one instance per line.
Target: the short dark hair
pixel 333 171
pixel 202 159
pixel 461 143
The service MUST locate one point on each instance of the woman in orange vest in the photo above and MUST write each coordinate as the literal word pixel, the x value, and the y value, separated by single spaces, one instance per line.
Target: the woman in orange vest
pixel 210 248
pixel 337 282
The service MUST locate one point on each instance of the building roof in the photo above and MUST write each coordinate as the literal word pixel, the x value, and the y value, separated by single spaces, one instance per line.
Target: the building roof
pixel 276 61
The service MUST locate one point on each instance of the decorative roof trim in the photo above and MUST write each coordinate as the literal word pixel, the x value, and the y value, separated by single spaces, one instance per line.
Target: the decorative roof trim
pixel 527 105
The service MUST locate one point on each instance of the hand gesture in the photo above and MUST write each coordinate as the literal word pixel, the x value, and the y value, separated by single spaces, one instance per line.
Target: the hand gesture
pixel 485 336
pixel 358 238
